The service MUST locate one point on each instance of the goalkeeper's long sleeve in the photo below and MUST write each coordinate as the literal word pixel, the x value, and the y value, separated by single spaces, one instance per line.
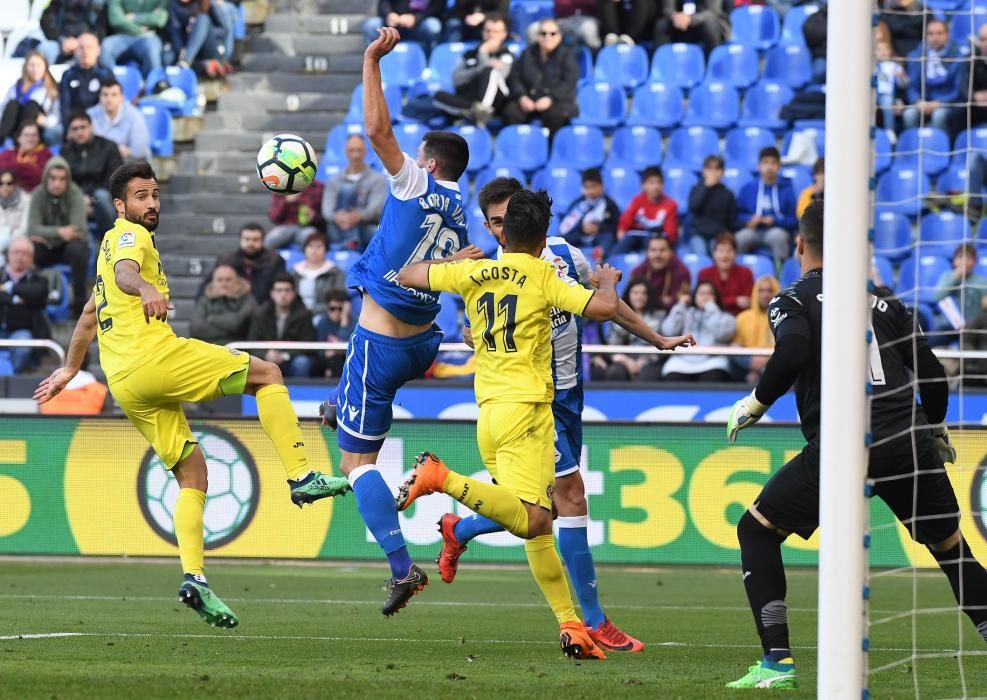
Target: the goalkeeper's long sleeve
pixel 790 355
pixel 932 385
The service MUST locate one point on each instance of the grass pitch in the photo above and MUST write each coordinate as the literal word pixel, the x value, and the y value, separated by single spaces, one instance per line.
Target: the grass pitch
pixel 115 630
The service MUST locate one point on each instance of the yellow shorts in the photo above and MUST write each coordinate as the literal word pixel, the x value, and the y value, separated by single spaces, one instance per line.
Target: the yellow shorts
pixel 517 445
pixel 152 395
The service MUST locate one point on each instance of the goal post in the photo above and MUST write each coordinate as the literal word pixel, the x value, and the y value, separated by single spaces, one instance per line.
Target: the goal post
pixel 844 425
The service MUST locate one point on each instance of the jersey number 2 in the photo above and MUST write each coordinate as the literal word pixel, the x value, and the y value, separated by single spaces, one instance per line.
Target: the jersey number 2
pixel 105 324
pixel 491 308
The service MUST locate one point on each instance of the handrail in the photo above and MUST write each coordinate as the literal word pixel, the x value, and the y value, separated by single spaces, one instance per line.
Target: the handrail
pixel 46 344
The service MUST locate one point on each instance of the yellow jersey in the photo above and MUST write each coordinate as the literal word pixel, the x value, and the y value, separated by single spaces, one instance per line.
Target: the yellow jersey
pixel 126 340
pixel 508 302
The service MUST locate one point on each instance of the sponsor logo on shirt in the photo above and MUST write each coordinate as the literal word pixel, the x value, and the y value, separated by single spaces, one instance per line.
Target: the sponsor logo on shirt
pixel 127 240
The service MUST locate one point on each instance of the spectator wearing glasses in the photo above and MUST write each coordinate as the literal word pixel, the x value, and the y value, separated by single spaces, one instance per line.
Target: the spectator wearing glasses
pixel 23 297
pixel 543 81
pixel 335 325
pixel 93 160
pixel 14 205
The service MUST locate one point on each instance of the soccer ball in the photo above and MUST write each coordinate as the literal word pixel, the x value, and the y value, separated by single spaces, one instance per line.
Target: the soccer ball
pixel 286 164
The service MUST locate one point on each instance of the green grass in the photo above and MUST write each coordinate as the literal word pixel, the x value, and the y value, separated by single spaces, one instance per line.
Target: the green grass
pixel 316 631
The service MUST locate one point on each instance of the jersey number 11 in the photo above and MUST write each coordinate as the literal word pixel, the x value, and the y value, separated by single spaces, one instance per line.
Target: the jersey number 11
pixel 492 308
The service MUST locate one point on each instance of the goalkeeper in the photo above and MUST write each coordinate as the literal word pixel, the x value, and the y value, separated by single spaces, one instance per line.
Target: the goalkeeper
pixel 905 466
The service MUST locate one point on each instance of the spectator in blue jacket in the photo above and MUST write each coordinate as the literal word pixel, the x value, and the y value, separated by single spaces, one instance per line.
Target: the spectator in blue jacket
pixel 591 220
pixel 766 209
pixel 936 79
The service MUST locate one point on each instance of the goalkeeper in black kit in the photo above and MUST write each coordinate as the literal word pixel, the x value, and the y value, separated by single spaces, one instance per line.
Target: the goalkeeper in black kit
pixel 906 465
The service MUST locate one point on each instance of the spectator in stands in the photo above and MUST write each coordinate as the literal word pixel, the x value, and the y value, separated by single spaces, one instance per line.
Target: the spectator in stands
pixel 135 25
pixel 937 77
pixel 578 22
pixel 814 30
pixel 466 21
pixel 906 20
pixel 591 221
pixel 815 191
pixel 92 159
pixel 712 207
pixel 961 291
pixel 892 81
pixel 626 21
pixel 733 282
pixel 14 203
pixel 650 213
pixel 28 157
pixel 119 121
pixel 315 275
pixel 32 99
pixel 621 368
pixel 195 28
pixel 335 325
pixel 64 22
pixel 284 317
pixel 295 217
pixel 543 81
pixel 23 297
pixel 664 272
pixel 766 209
pixel 978 83
pixel 56 223
pixel 253 262
pixel 417 20
pixel 701 315
pixel 354 199
pixel 693 22
pixel 82 81
pixel 753 327
pixel 222 315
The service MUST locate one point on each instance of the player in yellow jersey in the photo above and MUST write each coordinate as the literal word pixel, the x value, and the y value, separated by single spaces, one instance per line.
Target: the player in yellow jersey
pixel 151 371
pixel 509 301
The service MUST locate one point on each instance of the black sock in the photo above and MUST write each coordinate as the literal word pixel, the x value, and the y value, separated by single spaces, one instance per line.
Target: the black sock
pixel 969 582
pixel 764 579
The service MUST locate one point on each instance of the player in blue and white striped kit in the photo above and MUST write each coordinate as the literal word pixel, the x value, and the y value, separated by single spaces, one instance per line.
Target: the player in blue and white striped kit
pixel 396 340
pixel 567 407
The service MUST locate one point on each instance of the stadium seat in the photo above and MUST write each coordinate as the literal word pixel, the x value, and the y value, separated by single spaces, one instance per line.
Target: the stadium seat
pixel 622 183
pixel 714 104
pixel 882 150
pixel 791 28
pixel 523 146
pixel 918 277
pixel 892 235
pixel 625 263
pixel 492 171
pixel 478 233
pixel 623 65
pixel 743 144
pixel 392 96
pixel 443 59
pixel 799 175
pixel 480 143
pixel 344 259
pixel 404 65
pixel 926 148
pixel 328 170
pixel 130 81
pixel 818 134
pixel 940 234
pixel 159 125
pixel 964 26
pixel 291 257
pixel 579 147
pixel 689 146
pixel 970 140
pixel 681 65
pixel 759 265
pixel 637 146
pixel 789 64
pixel 791 271
pixel 585 60
pixel 563 183
pixel 335 150
pixel 762 105
pixel 955 179
pixel 60 311
pixel 448 318
pixel 6 366
pixel 695 263
pixel 601 105
pixel 735 178
pixel 902 190
pixel 657 104
pixel 524 12
pixel 885 272
pixel 240 25
pixel 179 77
pixel 678 184
pixel 733 63
pixel 755 25
pixel 409 136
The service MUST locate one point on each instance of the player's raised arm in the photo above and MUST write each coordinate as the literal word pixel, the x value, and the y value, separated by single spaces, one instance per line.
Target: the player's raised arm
pixel 376 116
pixel 82 338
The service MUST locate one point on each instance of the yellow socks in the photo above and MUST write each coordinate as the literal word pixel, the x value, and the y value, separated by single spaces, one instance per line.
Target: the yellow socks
pixel 188 530
pixel 546 567
pixel 278 418
pixel 489 500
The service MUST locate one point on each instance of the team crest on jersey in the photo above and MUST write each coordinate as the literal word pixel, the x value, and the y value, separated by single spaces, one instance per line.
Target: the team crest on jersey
pixel 127 240
pixel 561 266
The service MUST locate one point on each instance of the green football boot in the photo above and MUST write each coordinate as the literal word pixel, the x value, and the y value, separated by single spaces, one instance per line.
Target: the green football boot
pixel 317 486
pixel 761 676
pixel 197 595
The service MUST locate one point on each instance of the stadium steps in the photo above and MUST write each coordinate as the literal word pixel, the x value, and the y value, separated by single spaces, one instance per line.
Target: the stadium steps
pixel 313 123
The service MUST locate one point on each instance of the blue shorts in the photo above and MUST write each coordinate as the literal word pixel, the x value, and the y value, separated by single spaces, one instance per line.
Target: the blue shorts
pixel 568 411
pixel 376 367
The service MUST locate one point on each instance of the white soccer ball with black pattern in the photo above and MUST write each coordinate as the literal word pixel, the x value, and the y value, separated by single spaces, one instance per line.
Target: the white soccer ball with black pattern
pixel 286 164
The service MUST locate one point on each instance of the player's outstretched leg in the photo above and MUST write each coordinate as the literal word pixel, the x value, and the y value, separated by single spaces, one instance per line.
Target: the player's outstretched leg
pixel 967 578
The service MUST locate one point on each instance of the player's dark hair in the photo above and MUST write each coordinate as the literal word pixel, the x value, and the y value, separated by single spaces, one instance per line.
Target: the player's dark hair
pixel 811 227
pixel 526 220
pixel 450 151
pixel 592 175
pixel 716 293
pixel 497 190
pixel 652 171
pixel 77 115
pixel 122 176
pixel 252 226
pixel 651 304
pixel 283 278
pixel 768 152
pixel 109 81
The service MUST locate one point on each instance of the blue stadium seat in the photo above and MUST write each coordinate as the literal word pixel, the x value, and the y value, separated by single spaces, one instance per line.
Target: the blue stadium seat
pixel 335 150
pixel 743 144
pixel 478 233
pixel 240 24
pixel 492 171
pixel 291 257
pixel 443 59
pixel 689 146
pixel 926 148
pixel 638 146
pixel 328 170
pixel 755 25
pixel 902 190
pixel 818 134
pixel 179 77
pixel 679 182
pixel 799 175
pixel 964 26
pixel 563 183
pixel 715 104
pixel 791 28
pixel 733 63
pixel 955 179
pixel 892 235
pixel 695 263
pixel 940 234
pixel 885 272
pixel 404 65
pixel 344 259
pixel 657 104
pixel 623 65
pixel 762 105
pixel 918 277
pixel 524 12
pixel 60 311
pixel 159 125
pixel 409 136
pixel 625 263
pixel 622 183
pixel 759 264
pixel 130 81
pixel 882 150
pixel 585 60
pixel 970 140
pixel 423 86
pixel 6 366
pixel 523 146
pixel 480 143
pixel 578 147
pixel 448 318
pixel 682 65
pixel 736 178
pixel 789 64
pixel 602 105
pixel 791 271
pixel 392 96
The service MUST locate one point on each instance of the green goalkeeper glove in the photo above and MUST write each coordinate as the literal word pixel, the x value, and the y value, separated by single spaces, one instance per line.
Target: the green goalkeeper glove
pixel 744 414
pixel 944 444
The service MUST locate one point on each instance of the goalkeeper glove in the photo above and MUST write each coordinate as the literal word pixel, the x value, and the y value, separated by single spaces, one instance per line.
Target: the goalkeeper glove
pixel 744 414
pixel 944 444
